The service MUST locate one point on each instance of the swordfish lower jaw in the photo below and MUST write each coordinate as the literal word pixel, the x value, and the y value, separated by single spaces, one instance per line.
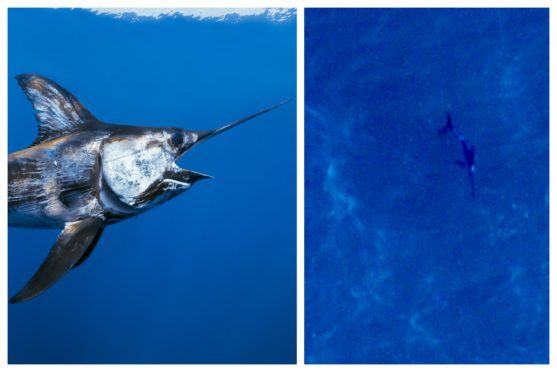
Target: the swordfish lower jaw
pixel 183 177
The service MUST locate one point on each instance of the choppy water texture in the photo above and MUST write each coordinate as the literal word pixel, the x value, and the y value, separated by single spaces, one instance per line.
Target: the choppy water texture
pixel 402 265
pixel 209 276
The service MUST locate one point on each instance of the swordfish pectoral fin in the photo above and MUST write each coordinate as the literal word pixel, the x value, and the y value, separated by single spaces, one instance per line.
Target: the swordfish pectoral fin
pixel 74 243
pixel 91 247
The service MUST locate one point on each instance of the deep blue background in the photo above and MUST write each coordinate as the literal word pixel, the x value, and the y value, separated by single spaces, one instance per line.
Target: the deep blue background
pixel 402 265
pixel 209 276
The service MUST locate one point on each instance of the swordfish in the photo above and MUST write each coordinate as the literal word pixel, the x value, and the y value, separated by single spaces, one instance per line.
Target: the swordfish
pixel 81 175
pixel 468 150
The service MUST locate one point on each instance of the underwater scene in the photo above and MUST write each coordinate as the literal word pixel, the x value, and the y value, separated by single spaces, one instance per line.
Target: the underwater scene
pixel 207 277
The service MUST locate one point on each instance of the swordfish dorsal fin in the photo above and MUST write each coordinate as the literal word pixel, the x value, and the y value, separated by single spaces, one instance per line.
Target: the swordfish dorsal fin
pixel 73 246
pixel 58 111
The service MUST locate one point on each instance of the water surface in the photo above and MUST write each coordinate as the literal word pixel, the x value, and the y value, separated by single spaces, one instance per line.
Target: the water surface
pixel 402 264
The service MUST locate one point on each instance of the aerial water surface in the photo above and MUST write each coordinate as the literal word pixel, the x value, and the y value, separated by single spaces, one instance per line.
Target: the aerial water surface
pixel 403 265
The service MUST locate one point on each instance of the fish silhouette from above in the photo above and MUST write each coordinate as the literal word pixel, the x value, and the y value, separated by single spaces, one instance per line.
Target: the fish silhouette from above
pixel 468 150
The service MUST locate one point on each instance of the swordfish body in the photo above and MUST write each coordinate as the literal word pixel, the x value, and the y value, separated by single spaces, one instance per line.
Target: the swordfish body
pixel 81 175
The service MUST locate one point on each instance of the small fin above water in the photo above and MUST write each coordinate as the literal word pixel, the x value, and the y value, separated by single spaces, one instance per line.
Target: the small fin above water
pixel 58 112
pixel 74 242
pixel 448 125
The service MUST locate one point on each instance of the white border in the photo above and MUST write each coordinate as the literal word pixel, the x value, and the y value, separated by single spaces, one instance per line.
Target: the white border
pixel 552 185
pixel 300 4
pixel 300 304
pixel 3 188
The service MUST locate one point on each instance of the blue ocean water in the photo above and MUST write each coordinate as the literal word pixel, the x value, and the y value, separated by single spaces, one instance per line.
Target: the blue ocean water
pixel 402 264
pixel 209 277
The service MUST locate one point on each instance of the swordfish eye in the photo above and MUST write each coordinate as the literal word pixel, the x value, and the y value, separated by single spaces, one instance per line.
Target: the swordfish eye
pixel 177 139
